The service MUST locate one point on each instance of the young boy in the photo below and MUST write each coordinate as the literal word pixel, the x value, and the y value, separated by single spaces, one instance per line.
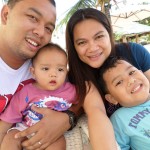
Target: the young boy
pixel 122 83
pixel 50 89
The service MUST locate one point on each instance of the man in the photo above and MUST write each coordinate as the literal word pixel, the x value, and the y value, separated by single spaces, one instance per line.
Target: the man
pixel 26 26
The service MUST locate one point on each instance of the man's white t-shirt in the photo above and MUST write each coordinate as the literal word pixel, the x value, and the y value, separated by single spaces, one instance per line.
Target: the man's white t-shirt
pixel 10 78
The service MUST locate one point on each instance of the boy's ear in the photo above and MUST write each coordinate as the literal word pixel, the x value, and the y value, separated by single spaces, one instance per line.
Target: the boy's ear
pixel 111 99
pixel 4 14
pixel 32 71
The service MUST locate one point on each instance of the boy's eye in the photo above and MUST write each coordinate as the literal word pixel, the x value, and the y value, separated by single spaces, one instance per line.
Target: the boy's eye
pixel 119 82
pixel 132 72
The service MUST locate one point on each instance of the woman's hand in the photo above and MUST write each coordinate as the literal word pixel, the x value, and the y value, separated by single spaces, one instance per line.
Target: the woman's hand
pixel 47 131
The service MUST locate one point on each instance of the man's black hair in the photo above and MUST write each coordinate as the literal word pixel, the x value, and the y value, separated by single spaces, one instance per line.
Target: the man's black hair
pixel 12 3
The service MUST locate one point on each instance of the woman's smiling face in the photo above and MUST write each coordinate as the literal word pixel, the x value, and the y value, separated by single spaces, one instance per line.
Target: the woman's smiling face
pixel 92 42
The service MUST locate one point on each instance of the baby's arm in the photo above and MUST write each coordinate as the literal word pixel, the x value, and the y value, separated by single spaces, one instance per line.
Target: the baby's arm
pixel 4 126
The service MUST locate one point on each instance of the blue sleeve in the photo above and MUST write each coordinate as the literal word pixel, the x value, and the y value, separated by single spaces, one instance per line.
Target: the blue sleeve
pixel 122 138
pixel 141 57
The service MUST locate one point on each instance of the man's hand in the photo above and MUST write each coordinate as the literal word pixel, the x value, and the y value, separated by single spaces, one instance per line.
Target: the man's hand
pixel 47 131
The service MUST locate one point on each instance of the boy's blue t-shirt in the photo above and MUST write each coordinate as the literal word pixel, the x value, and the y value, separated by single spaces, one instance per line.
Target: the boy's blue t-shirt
pixel 131 126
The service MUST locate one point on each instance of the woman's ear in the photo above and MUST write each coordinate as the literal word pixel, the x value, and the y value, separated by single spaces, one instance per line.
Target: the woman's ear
pixel 4 14
pixel 111 99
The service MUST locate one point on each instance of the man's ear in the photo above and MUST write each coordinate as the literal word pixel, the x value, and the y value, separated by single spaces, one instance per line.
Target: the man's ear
pixel 4 14
pixel 32 72
pixel 111 99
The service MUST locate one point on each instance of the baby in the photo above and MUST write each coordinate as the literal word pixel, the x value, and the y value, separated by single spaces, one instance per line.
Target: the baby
pixel 50 89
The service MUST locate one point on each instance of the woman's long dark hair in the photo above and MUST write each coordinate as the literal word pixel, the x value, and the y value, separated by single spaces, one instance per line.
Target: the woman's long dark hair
pixel 79 72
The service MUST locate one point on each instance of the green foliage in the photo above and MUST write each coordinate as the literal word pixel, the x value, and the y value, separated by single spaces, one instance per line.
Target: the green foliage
pixel 145 21
pixel 117 36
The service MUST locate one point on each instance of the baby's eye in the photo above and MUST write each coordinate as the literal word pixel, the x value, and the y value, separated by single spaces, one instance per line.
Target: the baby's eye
pixel 132 72
pixel 45 68
pixel 60 69
pixel 119 82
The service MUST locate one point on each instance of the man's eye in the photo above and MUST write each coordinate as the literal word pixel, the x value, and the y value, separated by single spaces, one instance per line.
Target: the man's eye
pixel 33 18
pixel 49 30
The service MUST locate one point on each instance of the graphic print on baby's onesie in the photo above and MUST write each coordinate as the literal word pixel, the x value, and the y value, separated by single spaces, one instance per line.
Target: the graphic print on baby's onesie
pixel 54 103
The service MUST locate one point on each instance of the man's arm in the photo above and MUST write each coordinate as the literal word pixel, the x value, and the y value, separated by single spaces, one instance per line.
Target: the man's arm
pixel 49 129
pixel 4 126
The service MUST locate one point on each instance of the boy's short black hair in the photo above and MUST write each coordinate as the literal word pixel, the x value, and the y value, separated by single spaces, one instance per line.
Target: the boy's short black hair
pixel 111 62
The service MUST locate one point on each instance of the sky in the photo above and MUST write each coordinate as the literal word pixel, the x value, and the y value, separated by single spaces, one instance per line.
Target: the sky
pixel 1 4
pixel 63 5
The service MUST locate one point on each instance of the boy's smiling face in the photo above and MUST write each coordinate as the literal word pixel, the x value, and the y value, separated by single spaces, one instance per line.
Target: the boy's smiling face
pixel 127 85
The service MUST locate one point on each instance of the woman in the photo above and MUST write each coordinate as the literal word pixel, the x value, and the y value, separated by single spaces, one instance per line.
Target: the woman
pixel 89 41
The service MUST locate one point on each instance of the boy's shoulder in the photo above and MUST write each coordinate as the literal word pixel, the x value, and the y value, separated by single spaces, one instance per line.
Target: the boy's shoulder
pixel 128 112
pixel 119 112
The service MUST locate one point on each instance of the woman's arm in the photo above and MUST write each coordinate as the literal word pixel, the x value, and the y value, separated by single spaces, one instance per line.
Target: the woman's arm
pixel 49 129
pixel 100 128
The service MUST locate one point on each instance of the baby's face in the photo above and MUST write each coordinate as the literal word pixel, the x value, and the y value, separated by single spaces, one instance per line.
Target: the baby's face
pixel 50 69
pixel 127 85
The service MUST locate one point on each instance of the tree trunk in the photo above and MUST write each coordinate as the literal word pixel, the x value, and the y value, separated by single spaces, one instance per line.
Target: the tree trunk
pixel 105 7
pixel 107 10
